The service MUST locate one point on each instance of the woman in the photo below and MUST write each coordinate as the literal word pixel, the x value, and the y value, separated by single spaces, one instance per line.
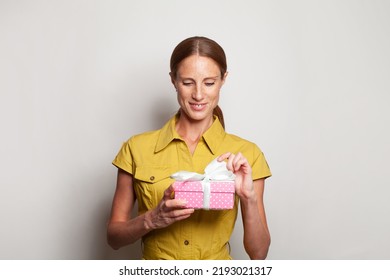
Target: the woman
pixel 189 141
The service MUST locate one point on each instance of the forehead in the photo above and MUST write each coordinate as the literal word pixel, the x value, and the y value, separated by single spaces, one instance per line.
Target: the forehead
pixel 198 65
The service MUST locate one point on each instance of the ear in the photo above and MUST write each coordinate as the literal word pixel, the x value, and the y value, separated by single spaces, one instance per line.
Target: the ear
pixel 172 79
pixel 224 77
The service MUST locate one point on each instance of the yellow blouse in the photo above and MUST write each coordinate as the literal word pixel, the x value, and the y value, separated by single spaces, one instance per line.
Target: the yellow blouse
pixel 152 157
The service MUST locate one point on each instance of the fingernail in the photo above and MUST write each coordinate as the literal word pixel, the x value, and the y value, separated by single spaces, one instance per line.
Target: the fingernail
pixel 183 202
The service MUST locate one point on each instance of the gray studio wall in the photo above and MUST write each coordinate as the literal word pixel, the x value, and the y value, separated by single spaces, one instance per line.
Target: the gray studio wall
pixel 308 82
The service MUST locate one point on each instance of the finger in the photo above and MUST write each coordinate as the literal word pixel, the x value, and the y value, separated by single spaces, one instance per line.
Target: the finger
pixel 168 193
pixel 229 163
pixel 182 217
pixel 176 214
pixel 181 214
pixel 239 161
pixel 175 203
pixel 242 165
pixel 224 156
pixel 235 161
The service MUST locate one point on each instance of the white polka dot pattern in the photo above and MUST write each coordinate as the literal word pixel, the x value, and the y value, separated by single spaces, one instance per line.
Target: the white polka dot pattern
pixel 221 197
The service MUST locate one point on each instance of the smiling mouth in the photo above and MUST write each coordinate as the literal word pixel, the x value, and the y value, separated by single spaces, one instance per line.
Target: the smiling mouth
pixel 198 106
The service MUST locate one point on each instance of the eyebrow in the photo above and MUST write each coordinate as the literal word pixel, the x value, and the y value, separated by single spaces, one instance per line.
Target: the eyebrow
pixel 188 78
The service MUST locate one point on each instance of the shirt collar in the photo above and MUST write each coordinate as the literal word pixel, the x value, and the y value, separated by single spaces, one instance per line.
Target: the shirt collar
pixel 213 136
pixel 167 134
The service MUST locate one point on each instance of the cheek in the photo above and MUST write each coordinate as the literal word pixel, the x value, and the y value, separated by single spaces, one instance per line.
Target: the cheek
pixel 182 95
pixel 216 100
pixel 214 93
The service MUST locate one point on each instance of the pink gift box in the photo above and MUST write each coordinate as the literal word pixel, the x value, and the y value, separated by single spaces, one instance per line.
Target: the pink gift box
pixel 221 195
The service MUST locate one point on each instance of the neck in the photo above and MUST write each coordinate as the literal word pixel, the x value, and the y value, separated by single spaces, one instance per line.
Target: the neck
pixel 191 130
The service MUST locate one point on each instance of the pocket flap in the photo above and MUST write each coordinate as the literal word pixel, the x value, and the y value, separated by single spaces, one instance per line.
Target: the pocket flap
pixel 152 174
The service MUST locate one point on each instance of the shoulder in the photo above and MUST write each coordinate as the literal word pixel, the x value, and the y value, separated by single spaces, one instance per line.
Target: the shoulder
pixel 150 138
pixel 253 154
pixel 152 134
pixel 144 139
pixel 238 142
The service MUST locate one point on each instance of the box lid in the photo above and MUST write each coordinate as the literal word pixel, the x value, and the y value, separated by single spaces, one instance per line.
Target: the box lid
pixel 196 186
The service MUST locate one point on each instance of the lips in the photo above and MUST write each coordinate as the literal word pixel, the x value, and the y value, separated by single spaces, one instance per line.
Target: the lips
pixel 198 106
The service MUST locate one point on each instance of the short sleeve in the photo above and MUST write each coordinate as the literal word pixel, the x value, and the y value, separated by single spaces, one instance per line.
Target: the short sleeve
pixel 124 158
pixel 260 168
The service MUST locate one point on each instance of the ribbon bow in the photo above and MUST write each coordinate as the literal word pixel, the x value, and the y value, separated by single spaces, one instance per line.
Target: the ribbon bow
pixel 214 171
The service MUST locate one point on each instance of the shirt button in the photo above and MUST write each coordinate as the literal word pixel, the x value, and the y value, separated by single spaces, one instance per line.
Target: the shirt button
pixel 186 242
pixel 151 178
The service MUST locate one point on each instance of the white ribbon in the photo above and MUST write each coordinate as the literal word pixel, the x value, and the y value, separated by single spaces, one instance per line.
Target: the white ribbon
pixel 214 171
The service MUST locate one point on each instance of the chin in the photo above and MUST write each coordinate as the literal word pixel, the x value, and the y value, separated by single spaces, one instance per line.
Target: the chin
pixel 200 116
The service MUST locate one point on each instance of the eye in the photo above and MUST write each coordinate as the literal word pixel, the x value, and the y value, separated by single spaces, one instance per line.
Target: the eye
pixel 185 83
pixel 209 84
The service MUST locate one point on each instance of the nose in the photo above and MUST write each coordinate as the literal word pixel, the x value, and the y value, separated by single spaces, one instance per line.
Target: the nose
pixel 197 93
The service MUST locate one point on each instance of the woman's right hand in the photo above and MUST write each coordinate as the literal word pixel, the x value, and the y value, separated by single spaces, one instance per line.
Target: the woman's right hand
pixel 167 212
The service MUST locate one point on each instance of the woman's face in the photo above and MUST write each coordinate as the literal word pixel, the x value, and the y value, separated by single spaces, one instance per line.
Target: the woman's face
pixel 198 82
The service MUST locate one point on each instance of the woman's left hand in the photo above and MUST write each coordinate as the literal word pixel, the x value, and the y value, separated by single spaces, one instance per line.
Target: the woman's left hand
pixel 239 165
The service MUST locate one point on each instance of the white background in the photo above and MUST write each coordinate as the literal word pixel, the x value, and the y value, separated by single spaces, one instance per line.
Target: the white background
pixel 309 82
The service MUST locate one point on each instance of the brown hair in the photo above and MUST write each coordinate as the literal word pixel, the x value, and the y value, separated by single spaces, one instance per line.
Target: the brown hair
pixel 204 47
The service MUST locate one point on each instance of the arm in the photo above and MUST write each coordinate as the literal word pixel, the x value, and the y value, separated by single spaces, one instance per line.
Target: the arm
pixel 256 234
pixel 122 229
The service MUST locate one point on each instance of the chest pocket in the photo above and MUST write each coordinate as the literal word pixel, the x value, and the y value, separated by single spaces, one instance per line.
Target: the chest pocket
pixel 150 183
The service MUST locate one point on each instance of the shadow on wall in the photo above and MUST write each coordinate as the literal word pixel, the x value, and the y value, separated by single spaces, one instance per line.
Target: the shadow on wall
pixel 98 246
pixel 161 110
pixel 129 252
pixel 87 239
